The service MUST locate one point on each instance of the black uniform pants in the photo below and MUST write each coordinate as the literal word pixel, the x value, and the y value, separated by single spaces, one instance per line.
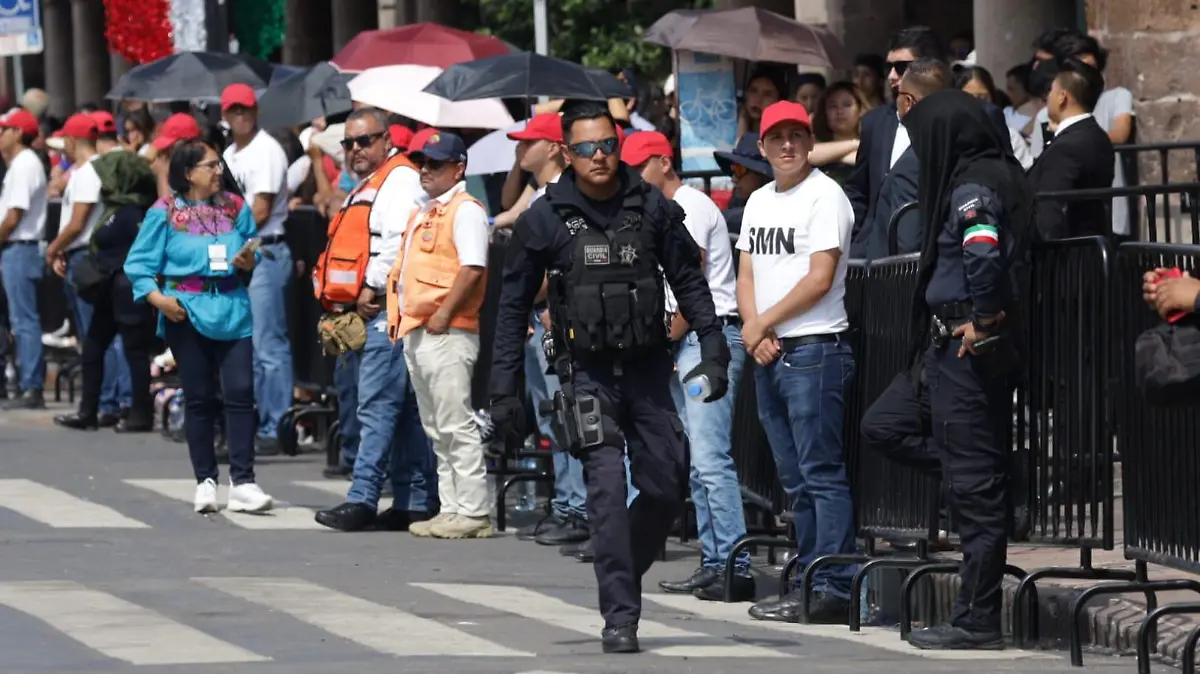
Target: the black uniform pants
pixel 115 313
pixel 953 424
pixel 639 413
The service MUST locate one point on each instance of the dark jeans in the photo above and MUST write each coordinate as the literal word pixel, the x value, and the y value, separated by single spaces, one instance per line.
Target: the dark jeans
pixel 200 359
pixel 115 313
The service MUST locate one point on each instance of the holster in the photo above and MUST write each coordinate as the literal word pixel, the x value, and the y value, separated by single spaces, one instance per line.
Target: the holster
pixel 576 423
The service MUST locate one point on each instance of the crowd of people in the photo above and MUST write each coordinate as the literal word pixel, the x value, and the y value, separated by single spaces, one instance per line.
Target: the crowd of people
pixel 176 230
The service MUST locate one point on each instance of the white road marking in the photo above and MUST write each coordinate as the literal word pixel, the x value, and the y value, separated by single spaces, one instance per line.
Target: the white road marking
pixel 283 516
pixel 335 487
pixel 60 509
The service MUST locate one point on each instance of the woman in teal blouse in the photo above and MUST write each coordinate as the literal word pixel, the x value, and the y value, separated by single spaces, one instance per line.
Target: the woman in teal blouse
pixel 194 241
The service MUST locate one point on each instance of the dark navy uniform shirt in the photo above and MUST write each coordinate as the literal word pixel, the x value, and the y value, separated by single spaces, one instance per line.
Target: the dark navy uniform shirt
pixel 972 261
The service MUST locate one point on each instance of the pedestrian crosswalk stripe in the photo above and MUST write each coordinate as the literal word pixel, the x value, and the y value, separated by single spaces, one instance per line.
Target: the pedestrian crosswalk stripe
pixel 283 516
pixel 877 637
pixel 60 509
pixel 382 628
pixel 558 613
pixel 117 628
pixel 335 487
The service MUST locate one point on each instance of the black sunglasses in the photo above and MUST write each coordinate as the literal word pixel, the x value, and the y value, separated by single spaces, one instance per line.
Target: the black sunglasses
pixel 898 66
pixel 364 141
pixel 588 148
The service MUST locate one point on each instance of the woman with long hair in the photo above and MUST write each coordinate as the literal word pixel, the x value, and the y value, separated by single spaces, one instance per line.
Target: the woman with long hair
pixel 837 127
pixel 197 239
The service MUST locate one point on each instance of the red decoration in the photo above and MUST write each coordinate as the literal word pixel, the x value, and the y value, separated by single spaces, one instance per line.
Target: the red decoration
pixel 139 30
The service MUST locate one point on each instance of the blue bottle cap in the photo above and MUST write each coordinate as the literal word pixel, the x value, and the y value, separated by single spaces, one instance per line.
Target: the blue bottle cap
pixel 695 389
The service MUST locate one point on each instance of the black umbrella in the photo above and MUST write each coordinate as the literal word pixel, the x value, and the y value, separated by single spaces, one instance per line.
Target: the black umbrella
pixel 525 75
pixel 187 76
pixel 319 91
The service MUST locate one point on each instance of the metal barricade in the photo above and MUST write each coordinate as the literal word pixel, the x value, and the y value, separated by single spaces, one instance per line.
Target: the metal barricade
pixel 1162 225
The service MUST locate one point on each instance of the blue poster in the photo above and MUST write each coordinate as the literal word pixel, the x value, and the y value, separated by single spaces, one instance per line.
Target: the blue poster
pixel 707 108
pixel 20 27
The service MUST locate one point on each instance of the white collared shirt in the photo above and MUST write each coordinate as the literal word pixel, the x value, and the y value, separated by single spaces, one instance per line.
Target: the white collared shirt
pixel 1063 125
pixel 901 143
pixel 25 188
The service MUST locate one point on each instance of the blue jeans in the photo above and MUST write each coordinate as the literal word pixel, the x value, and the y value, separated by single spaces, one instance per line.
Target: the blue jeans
pixel 801 405
pixel 716 494
pixel 22 267
pixel 391 434
pixel 345 380
pixel 272 348
pixel 570 496
pixel 116 391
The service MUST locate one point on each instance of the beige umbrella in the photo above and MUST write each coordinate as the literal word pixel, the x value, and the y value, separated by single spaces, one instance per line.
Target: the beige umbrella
pixel 751 34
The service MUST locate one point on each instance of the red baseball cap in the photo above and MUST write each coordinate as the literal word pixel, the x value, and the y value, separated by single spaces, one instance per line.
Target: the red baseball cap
pixel 104 121
pixel 81 126
pixel 547 126
pixel 177 127
pixel 20 118
pixel 401 135
pixel 238 94
pixel 417 144
pixel 643 145
pixel 783 111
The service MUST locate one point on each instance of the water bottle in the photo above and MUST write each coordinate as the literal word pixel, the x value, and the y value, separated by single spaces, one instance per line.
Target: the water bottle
pixel 527 496
pixel 698 387
pixel 175 416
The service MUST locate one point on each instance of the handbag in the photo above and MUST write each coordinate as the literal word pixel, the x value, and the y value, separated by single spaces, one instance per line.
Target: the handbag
pixel 91 277
pixel 1167 363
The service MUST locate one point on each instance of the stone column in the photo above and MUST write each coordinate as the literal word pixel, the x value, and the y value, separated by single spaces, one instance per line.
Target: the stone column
pixel 308 38
pixel 351 17
pixel 117 66
pixel 1005 30
pixel 862 25
pixel 58 58
pixel 90 51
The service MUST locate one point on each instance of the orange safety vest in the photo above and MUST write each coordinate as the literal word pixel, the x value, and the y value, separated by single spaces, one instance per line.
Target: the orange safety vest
pixel 341 270
pixel 428 270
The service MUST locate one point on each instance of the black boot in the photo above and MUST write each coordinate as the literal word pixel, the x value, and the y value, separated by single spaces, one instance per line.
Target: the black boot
pixel 77 422
pixel 701 578
pixel 741 586
pixel 620 639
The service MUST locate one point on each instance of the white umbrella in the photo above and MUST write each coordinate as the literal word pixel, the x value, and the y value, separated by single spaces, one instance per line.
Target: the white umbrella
pixel 398 89
pixel 494 153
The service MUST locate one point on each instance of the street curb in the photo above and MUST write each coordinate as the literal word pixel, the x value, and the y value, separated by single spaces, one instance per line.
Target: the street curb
pixel 1110 625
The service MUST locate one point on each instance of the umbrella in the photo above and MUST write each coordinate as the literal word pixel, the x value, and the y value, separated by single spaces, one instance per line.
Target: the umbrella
pixel 398 89
pixel 424 44
pixel 302 97
pixel 494 153
pixel 750 33
pixel 186 76
pixel 526 75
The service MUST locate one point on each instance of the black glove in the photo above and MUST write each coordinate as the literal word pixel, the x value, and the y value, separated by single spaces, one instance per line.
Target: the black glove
pixel 718 378
pixel 508 420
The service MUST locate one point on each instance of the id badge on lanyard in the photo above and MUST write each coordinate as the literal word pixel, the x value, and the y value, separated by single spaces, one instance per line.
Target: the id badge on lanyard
pixel 217 258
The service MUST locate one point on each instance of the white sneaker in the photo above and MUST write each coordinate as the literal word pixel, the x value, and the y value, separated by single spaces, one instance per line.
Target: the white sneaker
pixel 248 498
pixel 206 497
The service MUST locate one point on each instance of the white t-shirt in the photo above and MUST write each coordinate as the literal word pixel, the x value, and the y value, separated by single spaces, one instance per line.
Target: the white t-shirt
pixel 394 205
pixel 471 231
pixel 781 231
pixel 541 191
pixel 261 168
pixel 25 188
pixel 83 187
pixel 707 226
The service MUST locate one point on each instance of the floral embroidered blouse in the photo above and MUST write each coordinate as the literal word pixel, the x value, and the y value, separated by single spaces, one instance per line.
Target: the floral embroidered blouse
pixel 174 242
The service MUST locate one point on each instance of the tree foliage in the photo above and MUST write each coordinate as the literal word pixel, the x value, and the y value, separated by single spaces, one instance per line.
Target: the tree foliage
pixel 596 33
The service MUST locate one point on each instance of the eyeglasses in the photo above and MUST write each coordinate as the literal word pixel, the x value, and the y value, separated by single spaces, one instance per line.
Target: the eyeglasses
pixel 209 165
pixel 364 141
pixel 588 148
pixel 898 66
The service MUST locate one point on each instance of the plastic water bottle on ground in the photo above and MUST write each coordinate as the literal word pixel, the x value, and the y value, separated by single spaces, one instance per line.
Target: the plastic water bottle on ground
pixel 698 387
pixel 527 501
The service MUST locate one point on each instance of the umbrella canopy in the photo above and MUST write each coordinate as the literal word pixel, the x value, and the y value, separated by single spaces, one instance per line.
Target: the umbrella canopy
pixel 423 44
pixel 526 75
pixel 398 89
pixel 186 76
pixel 315 92
pixel 750 33
pixel 494 153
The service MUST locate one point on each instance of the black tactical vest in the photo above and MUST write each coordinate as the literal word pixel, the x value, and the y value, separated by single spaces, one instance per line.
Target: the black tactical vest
pixel 614 287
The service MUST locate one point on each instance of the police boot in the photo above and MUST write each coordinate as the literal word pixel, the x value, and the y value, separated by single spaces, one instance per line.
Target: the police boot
pixel 951 638
pixel 620 639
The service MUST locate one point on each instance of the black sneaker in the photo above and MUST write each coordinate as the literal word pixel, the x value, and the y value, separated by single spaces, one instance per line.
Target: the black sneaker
pixel 951 638
pixel 828 609
pixel 568 531
pixel 701 578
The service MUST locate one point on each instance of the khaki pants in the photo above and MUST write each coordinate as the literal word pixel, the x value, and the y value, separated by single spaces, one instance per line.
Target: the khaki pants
pixel 440 367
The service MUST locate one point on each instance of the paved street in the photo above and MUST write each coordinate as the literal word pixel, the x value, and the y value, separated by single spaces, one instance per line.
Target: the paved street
pixel 105 569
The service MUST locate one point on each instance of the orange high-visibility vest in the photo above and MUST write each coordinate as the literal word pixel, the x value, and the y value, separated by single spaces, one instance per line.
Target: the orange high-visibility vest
pixel 428 266
pixel 341 270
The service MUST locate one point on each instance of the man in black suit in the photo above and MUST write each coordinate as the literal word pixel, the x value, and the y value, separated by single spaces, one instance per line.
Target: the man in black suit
pixel 1080 156
pixel 883 140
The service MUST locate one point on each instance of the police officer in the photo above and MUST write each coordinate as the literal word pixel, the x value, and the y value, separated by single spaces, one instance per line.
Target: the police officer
pixel 602 233
pixel 967 338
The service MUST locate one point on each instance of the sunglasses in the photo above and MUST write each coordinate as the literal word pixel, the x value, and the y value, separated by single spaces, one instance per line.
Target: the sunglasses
pixel 898 66
pixel 588 148
pixel 433 164
pixel 364 141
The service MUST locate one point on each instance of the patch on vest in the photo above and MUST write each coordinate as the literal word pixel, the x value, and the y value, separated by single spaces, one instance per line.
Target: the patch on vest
pixel 576 224
pixel 631 220
pixel 595 255
pixel 628 255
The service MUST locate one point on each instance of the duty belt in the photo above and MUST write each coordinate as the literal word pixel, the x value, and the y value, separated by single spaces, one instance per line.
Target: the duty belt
pixel 954 311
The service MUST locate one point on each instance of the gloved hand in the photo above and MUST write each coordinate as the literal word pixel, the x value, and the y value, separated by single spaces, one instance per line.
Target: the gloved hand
pixel 718 378
pixel 508 419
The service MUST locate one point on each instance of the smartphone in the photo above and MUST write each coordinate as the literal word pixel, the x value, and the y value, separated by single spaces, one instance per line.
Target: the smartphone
pixel 1173 272
pixel 253 245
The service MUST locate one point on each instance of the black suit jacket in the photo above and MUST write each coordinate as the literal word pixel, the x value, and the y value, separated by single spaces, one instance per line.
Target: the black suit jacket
pixel 870 169
pixel 1081 157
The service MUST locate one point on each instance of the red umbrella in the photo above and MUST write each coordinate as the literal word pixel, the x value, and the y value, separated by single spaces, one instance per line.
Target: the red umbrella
pixel 421 44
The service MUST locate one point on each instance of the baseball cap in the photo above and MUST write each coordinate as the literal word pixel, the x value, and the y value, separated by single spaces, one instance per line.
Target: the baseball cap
pixel 643 145
pixel 542 127
pixel 177 127
pixel 20 118
pixel 238 94
pixel 401 135
pixel 80 126
pixel 783 111
pixel 417 144
pixel 105 122
pixel 444 146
